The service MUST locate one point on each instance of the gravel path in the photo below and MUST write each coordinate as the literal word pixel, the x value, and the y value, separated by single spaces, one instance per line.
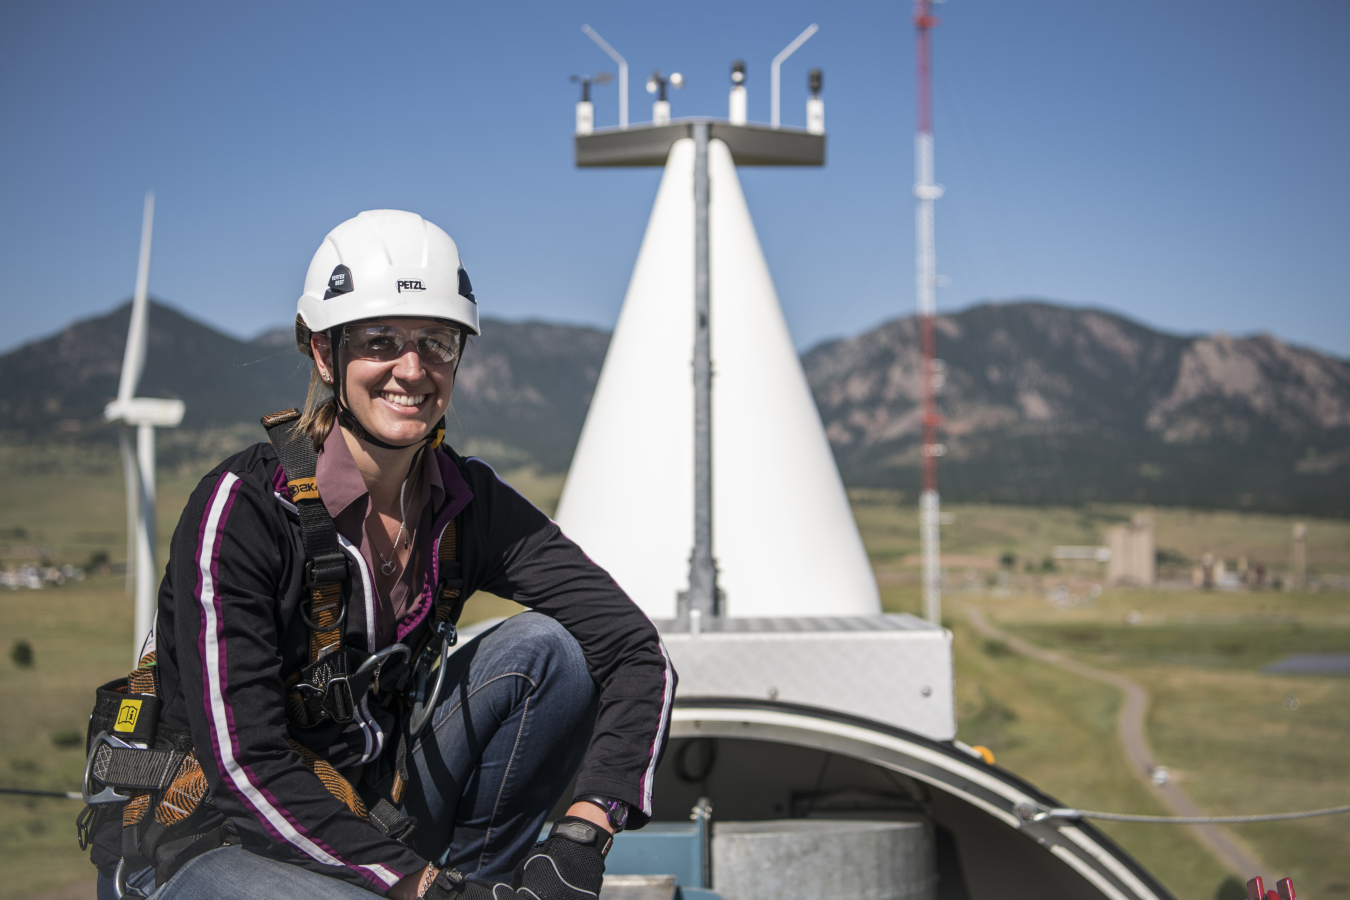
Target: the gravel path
pixel 1130 728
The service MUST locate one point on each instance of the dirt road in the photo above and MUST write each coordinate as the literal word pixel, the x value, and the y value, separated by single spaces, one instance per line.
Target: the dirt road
pixel 1130 728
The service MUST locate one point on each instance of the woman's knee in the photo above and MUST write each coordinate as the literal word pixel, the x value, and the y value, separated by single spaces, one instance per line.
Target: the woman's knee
pixel 539 644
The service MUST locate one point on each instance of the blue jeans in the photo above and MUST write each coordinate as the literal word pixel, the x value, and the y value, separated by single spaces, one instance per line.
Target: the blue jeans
pixel 508 734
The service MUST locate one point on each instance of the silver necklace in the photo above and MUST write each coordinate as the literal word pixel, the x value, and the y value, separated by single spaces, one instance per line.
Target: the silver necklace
pixel 387 566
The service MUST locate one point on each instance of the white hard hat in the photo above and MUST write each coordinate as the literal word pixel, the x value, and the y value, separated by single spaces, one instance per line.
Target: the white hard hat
pixel 386 262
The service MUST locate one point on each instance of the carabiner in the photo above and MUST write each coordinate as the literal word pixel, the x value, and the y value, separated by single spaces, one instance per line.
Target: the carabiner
pixel 377 660
pixel 422 704
pixel 120 886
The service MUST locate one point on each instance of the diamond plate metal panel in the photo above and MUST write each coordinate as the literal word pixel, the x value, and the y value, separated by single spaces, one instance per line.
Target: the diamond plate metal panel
pixel 894 669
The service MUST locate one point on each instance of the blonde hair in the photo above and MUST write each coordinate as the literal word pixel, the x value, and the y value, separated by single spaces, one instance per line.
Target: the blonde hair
pixel 320 411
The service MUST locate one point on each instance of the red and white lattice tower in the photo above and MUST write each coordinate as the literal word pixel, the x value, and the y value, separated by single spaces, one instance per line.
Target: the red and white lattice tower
pixel 925 192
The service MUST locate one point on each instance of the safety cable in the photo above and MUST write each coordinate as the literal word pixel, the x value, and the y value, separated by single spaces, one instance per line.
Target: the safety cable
pixel 69 795
pixel 1028 813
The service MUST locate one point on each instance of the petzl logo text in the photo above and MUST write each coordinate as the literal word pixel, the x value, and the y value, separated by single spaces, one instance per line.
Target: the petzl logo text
pixel 410 286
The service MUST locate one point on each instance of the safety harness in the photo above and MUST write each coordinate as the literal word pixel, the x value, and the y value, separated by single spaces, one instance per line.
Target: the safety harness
pixel 149 772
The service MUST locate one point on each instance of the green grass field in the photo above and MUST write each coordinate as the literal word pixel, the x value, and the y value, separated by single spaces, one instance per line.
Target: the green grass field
pixel 1238 741
pixel 1222 728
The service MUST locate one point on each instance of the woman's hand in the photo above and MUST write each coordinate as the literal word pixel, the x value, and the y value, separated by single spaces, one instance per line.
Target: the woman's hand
pixel 567 865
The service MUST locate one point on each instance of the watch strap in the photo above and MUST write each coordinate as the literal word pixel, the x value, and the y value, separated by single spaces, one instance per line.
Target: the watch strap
pixel 580 831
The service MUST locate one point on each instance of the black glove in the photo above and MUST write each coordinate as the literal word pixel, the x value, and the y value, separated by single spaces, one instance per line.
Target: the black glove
pixel 569 865
pixel 451 885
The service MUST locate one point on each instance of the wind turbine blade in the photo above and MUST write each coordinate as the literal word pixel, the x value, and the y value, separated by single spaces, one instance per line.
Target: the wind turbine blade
pixel 133 360
pixel 130 474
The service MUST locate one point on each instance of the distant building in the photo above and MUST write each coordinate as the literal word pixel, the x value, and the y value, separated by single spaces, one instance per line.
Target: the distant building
pixel 1133 558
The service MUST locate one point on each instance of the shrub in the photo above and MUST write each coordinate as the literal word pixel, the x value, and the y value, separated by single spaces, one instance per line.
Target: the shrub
pixel 68 737
pixel 22 654
pixel 997 648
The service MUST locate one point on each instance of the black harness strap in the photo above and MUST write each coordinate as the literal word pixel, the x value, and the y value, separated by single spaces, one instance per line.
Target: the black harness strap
pixel 391 822
pixel 132 767
pixel 322 688
pixel 325 563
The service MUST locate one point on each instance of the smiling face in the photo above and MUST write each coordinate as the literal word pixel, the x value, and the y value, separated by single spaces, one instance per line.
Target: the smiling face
pixel 400 400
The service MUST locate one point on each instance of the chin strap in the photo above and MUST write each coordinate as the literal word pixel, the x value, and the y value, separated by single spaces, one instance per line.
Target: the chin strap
pixel 348 419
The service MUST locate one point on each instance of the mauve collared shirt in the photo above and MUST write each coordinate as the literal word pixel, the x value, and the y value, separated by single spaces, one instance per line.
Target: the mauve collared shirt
pixel 348 502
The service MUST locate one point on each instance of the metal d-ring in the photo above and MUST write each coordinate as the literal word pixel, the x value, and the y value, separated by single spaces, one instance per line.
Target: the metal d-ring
pixel 107 795
pixel 424 705
pixel 342 617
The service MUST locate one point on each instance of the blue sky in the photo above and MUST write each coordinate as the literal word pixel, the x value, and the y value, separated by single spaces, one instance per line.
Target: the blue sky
pixel 1183 163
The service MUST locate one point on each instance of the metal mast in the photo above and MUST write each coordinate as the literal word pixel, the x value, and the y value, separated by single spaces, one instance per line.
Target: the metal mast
pixel 702 566
pixel 925 192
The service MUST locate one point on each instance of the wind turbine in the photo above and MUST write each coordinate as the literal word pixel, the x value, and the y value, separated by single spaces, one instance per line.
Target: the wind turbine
pixel 144 414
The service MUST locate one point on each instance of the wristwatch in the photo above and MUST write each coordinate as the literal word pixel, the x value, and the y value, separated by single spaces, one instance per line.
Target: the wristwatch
pixel 616 811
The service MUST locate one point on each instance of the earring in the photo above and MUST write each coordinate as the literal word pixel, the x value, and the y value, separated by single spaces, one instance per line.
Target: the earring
pixel 327 379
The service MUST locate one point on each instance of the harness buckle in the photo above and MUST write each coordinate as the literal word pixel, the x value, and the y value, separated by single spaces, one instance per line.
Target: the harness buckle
pixel 107 795
pixel 325 568
pixel 337 699
pixel 448 632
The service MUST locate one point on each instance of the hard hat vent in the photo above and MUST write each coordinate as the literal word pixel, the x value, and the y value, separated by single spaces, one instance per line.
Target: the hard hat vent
pixel 465 287
pixel 340 282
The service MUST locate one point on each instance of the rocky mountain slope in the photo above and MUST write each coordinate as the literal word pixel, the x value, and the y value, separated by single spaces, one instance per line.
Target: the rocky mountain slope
pixel 1042 403
pixel 1051 404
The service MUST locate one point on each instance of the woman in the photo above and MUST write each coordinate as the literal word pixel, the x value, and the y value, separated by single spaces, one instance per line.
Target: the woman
pixel 299 643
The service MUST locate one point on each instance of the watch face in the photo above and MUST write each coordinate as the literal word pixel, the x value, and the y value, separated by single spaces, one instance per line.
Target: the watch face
pixel 616 811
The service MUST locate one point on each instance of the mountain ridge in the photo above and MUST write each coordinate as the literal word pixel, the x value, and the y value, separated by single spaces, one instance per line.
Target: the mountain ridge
pixel 1042 403
pixel 1052 404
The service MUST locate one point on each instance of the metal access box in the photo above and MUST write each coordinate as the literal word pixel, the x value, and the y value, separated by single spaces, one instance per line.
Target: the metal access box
pixel 894 669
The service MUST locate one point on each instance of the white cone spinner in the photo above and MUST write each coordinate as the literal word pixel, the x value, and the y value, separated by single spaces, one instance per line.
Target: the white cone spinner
pixel 783 534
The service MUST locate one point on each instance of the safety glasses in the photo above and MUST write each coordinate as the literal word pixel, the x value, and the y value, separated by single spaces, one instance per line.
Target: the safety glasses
pixel 436 345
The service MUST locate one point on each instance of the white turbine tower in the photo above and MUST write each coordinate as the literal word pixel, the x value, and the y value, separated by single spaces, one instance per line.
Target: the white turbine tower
pixel 145 414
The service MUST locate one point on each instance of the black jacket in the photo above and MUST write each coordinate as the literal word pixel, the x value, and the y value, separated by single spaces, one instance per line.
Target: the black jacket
pixel 229 634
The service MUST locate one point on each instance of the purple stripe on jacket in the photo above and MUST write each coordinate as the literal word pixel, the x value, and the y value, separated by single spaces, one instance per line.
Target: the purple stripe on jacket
pixel 222 670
